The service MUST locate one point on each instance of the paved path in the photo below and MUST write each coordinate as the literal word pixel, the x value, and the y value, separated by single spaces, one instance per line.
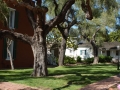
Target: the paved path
pixel 104 84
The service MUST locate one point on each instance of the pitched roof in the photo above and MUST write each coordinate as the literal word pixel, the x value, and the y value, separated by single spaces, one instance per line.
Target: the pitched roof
pixel 110 45
pixel 105 45
pixel 84 45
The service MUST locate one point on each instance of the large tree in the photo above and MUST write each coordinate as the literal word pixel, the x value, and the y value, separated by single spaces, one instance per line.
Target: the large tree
pixel 41 29
pixel 69 21
pixel 95 31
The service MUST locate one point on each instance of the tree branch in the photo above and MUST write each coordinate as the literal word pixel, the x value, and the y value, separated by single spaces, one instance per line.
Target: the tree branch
pixel 14 35
pixel 58 19
pixel 56 7
pixel 94 35
pixel 6 20
pixel 85 37
pixel 31 18
pixel 73 23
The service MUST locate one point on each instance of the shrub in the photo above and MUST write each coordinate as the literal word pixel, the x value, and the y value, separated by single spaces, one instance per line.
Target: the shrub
pixel 78 59
pixel 69 60
pixel 88 60
pixel 108 59
pixel 56 60
pixel 104 59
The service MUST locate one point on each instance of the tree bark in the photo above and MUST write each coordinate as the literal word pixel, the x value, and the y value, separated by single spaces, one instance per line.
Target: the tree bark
pixel 96 59
pixel 62 52
pixel 11 60
pixel 10 55
pixel 40 53
pixel 40 61
pixel 95 53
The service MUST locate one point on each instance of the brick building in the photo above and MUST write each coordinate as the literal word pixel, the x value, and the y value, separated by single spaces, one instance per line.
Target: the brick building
pixel 21 51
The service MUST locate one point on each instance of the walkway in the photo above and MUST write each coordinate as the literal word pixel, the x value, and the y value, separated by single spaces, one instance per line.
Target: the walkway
pixel 104 84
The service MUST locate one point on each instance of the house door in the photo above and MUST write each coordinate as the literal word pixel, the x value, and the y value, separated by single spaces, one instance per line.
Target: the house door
pixel 108 52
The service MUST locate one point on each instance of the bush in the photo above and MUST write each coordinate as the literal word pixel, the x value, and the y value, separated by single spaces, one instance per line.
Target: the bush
pixel 88 60
pixel 108 59
pixel 79 59
pixel 104 59
pixel 56 60
pixel 69 60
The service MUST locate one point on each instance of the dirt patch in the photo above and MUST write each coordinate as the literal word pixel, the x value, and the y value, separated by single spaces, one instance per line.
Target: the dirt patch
pixel 14 86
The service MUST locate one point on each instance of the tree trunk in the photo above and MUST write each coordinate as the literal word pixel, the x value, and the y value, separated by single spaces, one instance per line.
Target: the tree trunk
pixel 40 61
pixel 40 53
pixel 96 59
pixel 62 52
pixel 95 51
pixel 10 55
pixel 11 60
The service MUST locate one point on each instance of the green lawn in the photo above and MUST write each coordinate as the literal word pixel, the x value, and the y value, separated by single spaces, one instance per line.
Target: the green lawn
pixel 61 78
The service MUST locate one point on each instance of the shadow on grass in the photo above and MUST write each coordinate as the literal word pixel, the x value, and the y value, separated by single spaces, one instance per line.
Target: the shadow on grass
pixel 74 75
pixel 85 75
pixel 11 75
pixel 84 80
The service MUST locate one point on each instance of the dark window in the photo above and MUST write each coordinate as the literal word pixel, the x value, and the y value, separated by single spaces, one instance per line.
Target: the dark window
pixel 103 51
pixel 117 52
pixel 82 52
pixel 108 53
pixel 85 52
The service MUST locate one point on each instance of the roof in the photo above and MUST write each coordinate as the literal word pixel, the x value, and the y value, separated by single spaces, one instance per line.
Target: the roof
pixel 105 45
pixel 110 45
pixel 84 45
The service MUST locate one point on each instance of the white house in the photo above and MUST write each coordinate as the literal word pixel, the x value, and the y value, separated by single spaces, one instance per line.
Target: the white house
pixel 85 50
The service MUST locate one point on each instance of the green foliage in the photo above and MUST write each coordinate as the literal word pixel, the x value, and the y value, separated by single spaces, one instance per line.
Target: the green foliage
pixel 95 29
pixel 104 59
pixel 54 36
pixel 51 6
pixel 88 60
pixel 4 11
pixel 56 60
pixel 114 36
pixel 72 43
pixel 69 60
pixel 79 59
pixel 105 4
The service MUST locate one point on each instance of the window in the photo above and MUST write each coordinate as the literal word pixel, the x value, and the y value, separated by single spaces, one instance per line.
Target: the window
pixel 108 53
pixel 103 51
pixel 70 51
pixel 12 18
pixel 117 52
pixel 82 52
pixel 10 48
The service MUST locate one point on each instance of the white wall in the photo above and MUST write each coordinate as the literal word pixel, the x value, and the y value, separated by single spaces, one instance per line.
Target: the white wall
pixel 112 53
pixel 89 53
pixel 83 52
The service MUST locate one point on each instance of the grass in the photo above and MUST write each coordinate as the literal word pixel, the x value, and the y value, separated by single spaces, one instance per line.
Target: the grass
pixel 61 78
